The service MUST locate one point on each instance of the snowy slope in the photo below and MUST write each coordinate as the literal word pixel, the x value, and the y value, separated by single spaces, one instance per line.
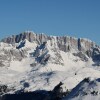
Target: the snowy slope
pixel 86 90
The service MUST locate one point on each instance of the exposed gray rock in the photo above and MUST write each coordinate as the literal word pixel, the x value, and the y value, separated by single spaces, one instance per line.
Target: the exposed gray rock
pixel 89 53
pixel 96 54
pixel 81 55
pixel 12 54
pixel 4 89
pixel 40 38
pixel 17 54
pixel 41 54
pixel 58 58
pixel 64 43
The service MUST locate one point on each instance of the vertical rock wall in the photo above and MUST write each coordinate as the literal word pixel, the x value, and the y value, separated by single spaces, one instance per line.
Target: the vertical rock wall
pixel 64 43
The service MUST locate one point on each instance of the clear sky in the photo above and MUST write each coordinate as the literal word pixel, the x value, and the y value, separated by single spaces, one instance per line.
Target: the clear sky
pixel 79 18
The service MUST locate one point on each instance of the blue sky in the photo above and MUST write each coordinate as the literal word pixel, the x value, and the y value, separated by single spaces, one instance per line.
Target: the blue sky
pixel 79 18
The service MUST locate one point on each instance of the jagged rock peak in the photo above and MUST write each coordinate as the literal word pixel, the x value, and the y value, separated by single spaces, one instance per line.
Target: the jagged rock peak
pixel 65 43
pixel 29 35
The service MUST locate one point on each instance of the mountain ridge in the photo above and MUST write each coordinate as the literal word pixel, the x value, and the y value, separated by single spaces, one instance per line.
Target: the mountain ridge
pixel 63 43
pixel 61 40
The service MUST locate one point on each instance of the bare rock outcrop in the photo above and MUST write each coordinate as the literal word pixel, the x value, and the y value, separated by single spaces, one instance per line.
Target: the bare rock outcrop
pixel 63 43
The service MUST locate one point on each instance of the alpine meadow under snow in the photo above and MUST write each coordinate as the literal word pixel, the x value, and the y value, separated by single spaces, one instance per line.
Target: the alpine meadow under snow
pixel 31 62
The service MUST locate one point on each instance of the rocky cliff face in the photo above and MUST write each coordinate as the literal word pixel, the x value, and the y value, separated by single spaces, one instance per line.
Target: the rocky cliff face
pixel 80 46
pixel 6 56
pixel 40 38
pixel 64 43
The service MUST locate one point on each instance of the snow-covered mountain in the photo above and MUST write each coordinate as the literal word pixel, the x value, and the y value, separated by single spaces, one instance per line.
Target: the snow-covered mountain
pixel 88 89
pixel 30 61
